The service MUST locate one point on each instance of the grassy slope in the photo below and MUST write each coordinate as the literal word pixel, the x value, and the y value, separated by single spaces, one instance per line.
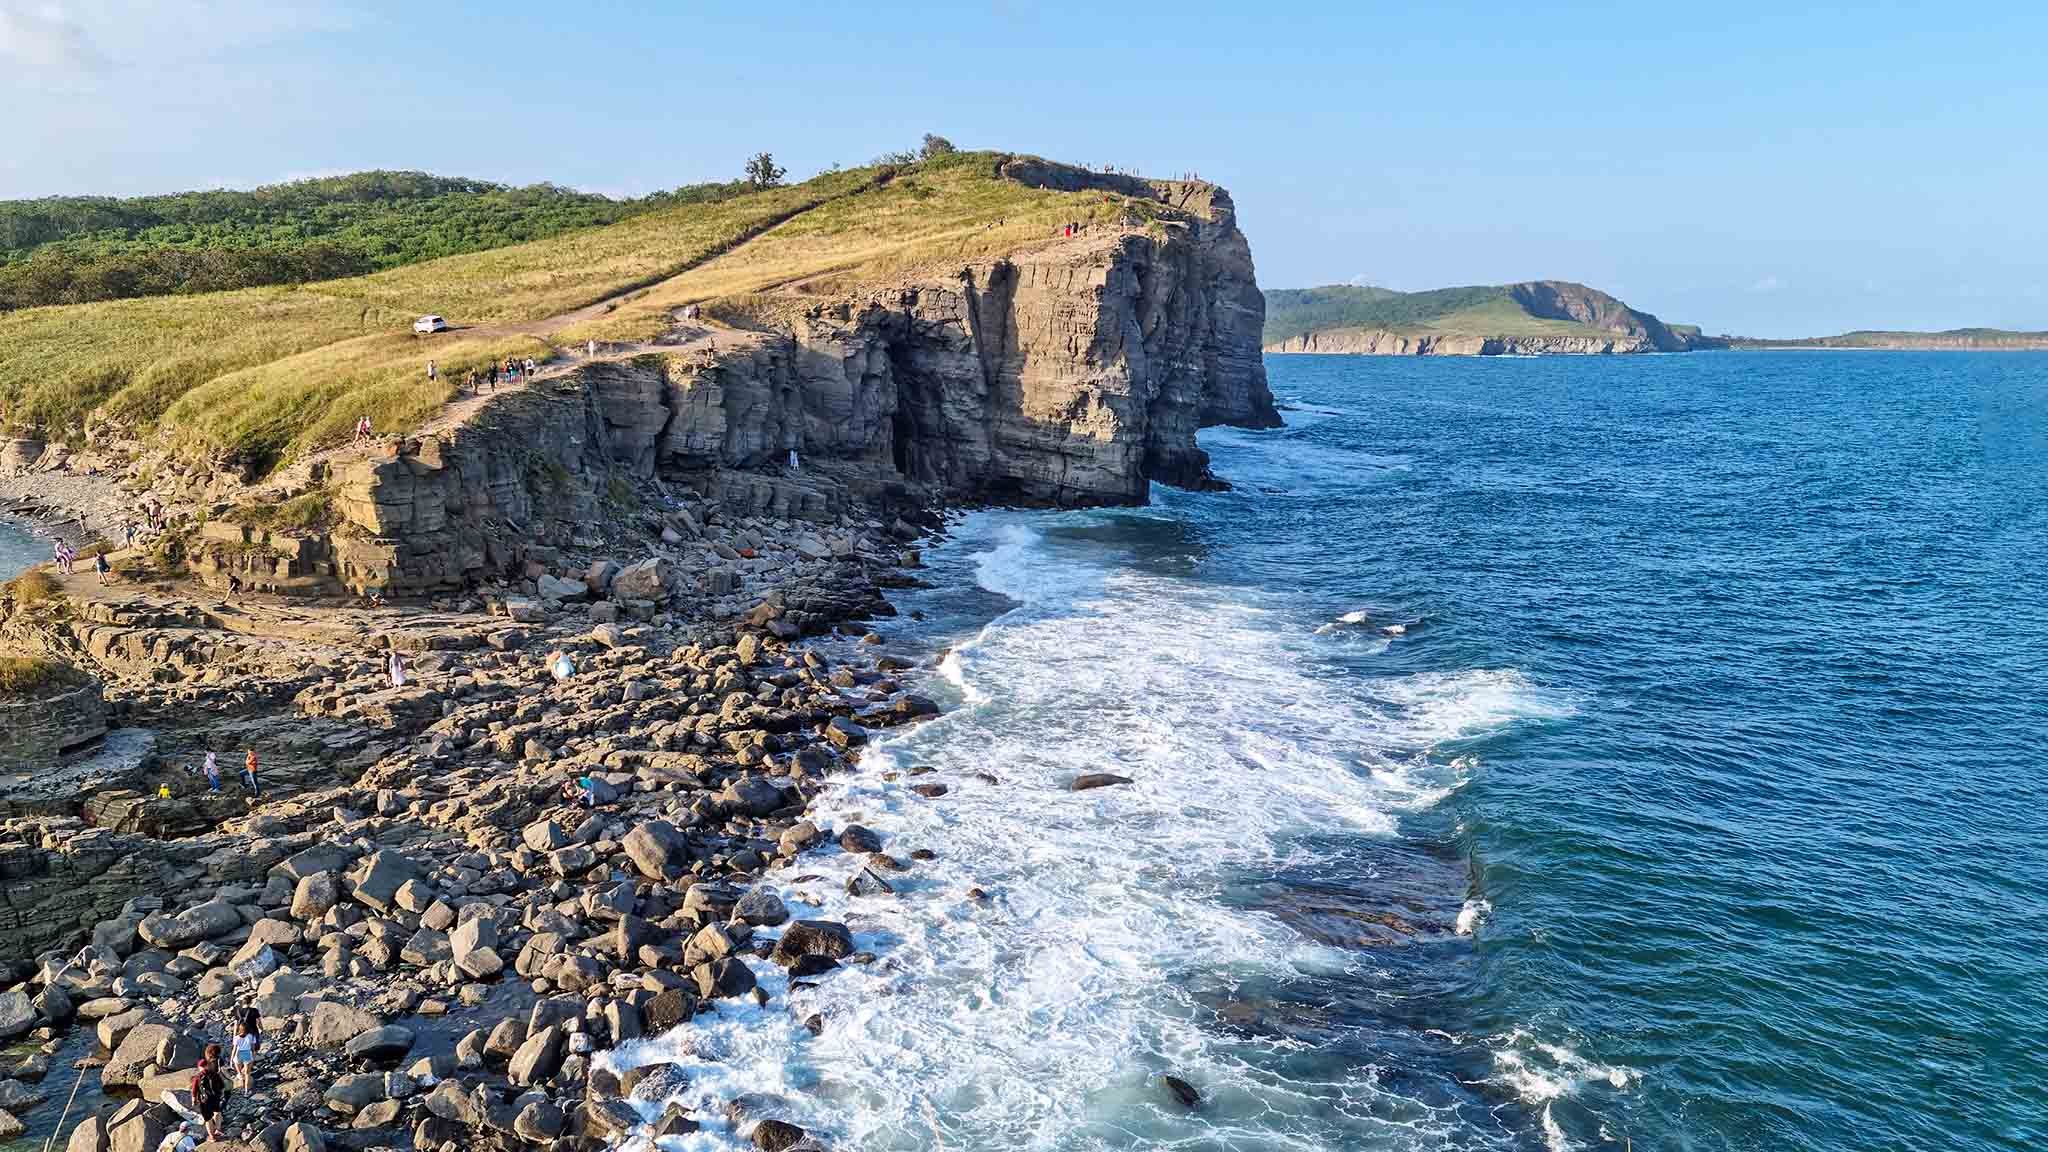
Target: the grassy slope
pixel 1479 310
pixel 270 370
pixel 945 210
pixel 264 374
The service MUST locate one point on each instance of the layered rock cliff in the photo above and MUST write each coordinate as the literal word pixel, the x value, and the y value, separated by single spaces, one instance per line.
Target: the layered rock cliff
pixel 1073 373
pixel 1382 342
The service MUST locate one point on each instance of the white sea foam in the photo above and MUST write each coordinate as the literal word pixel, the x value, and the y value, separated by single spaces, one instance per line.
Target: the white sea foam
pixel 1041 1016
pixel 1472 915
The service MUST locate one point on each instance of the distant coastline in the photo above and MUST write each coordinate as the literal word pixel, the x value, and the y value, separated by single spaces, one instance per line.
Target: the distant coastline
pixel 1546 318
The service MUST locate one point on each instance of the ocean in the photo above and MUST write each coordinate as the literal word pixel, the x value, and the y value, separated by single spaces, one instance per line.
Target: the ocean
pixel 1532 754
pixel 19 551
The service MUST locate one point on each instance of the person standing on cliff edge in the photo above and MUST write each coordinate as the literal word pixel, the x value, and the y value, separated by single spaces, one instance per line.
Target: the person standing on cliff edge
pixel 249 775
pixel 212 772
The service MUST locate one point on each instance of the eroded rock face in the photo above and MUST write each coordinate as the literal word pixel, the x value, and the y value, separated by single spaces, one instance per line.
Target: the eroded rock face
pixel 1070 374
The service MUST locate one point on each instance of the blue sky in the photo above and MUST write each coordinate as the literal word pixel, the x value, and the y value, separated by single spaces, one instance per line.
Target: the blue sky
pixel 1777 169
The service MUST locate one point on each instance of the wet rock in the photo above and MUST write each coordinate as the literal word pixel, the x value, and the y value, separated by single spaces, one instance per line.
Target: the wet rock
pixel 859 839
pixel 727 977
pixel 797 837
pixel 506 1038
pixel 668 1009
pixel 1183 1091
pixel 826 938
pixel 845 733
pixel 1087 780
pixel 760 907
pixel 864 882
pixel 675 1120
pixel 776 1136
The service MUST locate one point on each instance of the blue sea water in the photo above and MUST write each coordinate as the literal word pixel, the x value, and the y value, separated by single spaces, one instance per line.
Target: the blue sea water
pixel 19 550
pixel 1569 753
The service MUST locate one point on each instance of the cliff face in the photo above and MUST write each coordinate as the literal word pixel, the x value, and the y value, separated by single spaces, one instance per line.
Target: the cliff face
pixel 1072 374
pixel 1381 342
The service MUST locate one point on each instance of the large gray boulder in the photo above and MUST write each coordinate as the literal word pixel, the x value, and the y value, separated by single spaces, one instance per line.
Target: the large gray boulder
pixel 378 882
pixel 382 1045
pixel 538 1059
pixel 658 849
pixel 17 1014
pixel 138 1050
pixel 333 1025
pixel 650 579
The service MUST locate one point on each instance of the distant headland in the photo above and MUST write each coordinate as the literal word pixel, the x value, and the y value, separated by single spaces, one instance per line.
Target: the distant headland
pixel 1538 317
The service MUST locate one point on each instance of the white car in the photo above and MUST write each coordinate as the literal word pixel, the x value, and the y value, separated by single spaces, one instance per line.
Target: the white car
pixel 428 325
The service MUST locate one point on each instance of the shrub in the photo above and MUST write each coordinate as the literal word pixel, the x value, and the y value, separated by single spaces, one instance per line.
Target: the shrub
pixel 33 586
pixel 935 145
pixel 37 675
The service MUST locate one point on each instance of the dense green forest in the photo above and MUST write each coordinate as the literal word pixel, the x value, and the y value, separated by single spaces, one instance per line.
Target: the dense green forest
pixel 73 249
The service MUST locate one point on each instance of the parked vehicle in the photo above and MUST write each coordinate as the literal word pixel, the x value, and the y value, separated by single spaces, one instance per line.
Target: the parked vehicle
pixel 428 325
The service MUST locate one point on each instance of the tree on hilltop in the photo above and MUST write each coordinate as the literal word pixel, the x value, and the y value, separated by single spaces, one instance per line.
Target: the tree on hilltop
pixel 762 172
pixel 936 145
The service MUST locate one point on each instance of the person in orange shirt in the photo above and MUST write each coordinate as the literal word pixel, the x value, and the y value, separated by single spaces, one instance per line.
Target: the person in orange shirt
pixel 249 773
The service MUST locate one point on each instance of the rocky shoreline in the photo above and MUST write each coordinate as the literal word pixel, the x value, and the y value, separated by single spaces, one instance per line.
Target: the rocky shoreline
pixel 513 873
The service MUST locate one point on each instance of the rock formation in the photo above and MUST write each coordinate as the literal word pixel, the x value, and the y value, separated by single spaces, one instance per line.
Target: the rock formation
pixel 1072 374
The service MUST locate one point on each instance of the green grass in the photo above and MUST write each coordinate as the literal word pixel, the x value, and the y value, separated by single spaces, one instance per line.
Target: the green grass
pixel 77 249
pixel 1477 310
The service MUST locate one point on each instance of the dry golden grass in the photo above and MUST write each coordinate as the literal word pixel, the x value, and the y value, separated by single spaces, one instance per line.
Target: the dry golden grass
pixel 260 376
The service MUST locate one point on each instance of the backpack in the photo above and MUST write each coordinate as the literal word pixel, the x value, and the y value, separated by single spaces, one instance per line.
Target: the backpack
pixel 208 1086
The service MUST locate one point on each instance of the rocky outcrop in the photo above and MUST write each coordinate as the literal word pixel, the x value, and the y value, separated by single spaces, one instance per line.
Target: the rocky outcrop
pixel 1072 374
pixel 1383 342
pixel 37 731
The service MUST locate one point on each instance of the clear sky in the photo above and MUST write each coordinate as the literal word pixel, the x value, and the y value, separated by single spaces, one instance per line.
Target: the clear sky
pixel 1771 169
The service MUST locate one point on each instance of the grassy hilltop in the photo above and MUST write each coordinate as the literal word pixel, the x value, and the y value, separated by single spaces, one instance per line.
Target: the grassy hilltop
pixel 259 375
pixel 1531 308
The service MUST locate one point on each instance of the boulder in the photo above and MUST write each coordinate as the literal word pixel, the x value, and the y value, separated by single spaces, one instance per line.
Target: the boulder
pixel 351 1094
pixel 657 849
pixel 827 938
pixel 760 907
pixel 776 1136
pixel 845 733
pixel 17 1014
pixel 553 588
pixel 650 579
pixel 383 1045
pixel 314 895
pixel 377 885
pixel 334 1025
pixel 472 934
pixel 859 839
pixel 538 1059
pixel 138 1051
pixel 753 796
pixel 539 1122
pixel 304 1137
pixel 1087 780
pixel 727 977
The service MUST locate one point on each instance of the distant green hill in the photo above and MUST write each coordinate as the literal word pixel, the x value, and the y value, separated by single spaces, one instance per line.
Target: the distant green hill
pixel 77 249
pixel 1534 316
